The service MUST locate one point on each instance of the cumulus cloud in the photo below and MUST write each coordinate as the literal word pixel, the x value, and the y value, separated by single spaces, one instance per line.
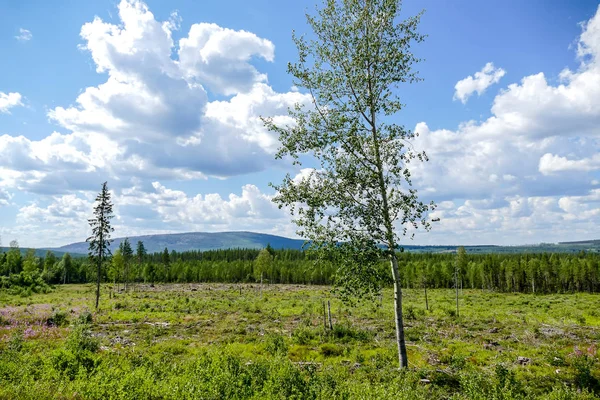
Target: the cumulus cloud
pixel 528 170
pixel 536 130
pixel 528 173
pixel 157 209
pixel 9 100
pixel 518 220
pixel 219 57
pixel 249 208
pixel 5 197
pixel 550 163
pixel 153 117
pixel 483 79
pixel 61 209
pixel 24 35
pixel 53 222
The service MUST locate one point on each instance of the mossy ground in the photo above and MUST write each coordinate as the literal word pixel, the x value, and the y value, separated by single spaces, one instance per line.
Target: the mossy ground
pixel 154 342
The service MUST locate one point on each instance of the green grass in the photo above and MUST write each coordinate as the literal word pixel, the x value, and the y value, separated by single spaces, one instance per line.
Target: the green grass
pixel 210 341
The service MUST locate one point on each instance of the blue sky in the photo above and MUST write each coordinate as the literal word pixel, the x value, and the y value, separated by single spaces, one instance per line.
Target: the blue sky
pixel 162 99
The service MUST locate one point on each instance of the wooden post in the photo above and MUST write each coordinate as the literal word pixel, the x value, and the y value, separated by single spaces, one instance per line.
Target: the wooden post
pixel 456 285
pixel 329 312
pixel 324 315
pixel 426 300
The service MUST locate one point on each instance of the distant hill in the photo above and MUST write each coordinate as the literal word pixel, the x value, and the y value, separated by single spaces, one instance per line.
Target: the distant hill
pixel 582 243
pixel 197 241
pixel 39 252
pixel 204 241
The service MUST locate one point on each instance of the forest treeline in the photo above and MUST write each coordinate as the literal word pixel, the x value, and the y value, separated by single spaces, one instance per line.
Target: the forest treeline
pixel 539 273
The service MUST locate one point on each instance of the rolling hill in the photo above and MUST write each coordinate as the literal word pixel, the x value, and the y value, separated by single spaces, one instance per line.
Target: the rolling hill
pixel 41 252
pixel 203 241
pixel 197 241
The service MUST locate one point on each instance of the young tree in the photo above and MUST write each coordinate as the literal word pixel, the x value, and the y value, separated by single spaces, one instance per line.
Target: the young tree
pixel 31 263
pixel 360 195
pixel 149 273
pixel 14 260
pixel 99 242
pixel 116 268
pixel 270 249
pixel 49 263
pixel 166 260
pixel 66 267
pixel 140 254
pixel 262 264
pixel 127 258
pixel 424 280
pixel 459 266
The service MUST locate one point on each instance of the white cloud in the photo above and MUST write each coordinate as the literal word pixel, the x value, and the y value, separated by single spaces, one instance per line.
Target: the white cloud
pixel 63 208
pixel 141 210
pixel 536 130
pixel 54 222
pixel 24 35
pixel 483 79
pixel 550 163
pixel 242 114
pixel 248 209
pixel 219 58
pixel 517 220
pixel 152 117
pixel 589 41
pixel 9 100
pixel 526 173
pixel 5 197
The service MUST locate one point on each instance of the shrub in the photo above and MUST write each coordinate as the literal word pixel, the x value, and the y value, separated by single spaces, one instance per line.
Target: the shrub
pixel 85 317
pixel 58 318
pixel 303 335
pixel 584 364
pixel 287 382
pixel 16 341
pixel 409 313
pixel 4 321
pixel 80 339
pixel 507 386
pixel 275 345
pixel 445 379
pixel 65 362
pixel 330 349
pixel 345 333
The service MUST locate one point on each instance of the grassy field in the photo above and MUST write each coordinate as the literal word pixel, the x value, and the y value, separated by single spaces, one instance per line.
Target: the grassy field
pixel 230 341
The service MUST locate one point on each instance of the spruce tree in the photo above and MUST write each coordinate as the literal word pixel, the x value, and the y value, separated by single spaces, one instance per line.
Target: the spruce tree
pixel 99 242
pixel 167 263
pixel 140 254
pixel 127 258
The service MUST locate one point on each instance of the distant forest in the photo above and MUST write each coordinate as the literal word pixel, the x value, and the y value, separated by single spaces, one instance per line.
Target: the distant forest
pixel 525 272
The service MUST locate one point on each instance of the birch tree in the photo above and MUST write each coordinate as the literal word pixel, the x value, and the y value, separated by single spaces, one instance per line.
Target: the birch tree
pixel 359 201
pixel 262 264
